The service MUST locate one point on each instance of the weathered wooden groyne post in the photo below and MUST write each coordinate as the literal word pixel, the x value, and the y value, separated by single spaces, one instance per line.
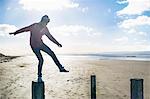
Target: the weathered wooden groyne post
pixel 38 90
pixel 136 89
pixel 93 87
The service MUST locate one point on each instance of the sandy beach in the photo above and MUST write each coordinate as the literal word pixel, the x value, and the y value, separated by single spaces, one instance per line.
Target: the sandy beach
pixel 113 78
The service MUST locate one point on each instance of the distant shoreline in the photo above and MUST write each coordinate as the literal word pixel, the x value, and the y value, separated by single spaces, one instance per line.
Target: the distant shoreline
pixel 137 56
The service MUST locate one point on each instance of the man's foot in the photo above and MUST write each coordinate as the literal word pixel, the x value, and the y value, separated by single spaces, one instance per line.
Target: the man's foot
pixel 63 70
pixel 39 79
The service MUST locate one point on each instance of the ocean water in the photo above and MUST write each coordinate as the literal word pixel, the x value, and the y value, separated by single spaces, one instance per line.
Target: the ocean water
pixel 138 56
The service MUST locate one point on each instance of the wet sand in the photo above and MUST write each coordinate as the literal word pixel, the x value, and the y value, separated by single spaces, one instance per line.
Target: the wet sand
pixel 113 78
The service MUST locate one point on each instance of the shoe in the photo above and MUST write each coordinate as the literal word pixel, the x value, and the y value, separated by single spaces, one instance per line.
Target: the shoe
pixel 63 70
pixel 40 79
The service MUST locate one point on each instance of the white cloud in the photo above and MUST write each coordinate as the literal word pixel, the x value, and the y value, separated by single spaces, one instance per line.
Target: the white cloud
pixel 75 30
pixel 122 1
pixel 141 42
pixel 97 34
pixel 134 22
pixel 139 21
pixel 136 33
pixel 84 9
pixel 131 31
pixel 5 29
pixel 134 7
pixel 132 47
pixel 122 39
pixel 40 5
pixel 142 33
pixel 126 44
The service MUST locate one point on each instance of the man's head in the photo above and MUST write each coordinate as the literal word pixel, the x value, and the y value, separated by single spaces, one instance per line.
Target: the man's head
pixel 45 19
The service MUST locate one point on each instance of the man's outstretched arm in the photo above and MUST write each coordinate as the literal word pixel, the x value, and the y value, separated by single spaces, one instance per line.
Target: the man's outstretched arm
pixel 25 29
pixel 52 38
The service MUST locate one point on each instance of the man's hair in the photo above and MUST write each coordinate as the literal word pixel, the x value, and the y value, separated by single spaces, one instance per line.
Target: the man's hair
pixel 44 17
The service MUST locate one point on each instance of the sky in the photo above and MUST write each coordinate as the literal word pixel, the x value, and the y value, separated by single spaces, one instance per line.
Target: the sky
pixel 81 26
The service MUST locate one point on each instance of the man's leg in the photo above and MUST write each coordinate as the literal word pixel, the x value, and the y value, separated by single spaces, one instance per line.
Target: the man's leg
pixel 46 49
pixel 40 58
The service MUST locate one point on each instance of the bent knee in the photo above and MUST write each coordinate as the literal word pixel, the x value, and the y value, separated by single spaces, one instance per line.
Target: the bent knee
pixel 52 52
pixel 41 60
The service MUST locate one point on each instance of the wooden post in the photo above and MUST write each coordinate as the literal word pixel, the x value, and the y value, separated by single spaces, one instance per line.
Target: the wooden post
pixel 38 90
pixel 93 87
pixel 137 89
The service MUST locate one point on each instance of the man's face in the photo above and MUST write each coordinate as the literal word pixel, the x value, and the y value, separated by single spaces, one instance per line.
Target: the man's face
pixel 46 19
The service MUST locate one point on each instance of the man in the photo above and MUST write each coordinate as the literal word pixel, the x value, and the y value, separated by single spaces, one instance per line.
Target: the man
pixel 37 30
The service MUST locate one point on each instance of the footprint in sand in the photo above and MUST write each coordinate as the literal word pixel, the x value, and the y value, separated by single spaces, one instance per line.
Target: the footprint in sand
pixel 23 65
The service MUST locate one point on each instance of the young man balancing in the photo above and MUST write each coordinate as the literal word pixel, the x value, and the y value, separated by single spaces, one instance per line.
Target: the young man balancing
pixel 37 30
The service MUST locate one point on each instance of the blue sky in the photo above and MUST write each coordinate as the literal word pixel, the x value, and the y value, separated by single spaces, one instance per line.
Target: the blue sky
pixel 82 26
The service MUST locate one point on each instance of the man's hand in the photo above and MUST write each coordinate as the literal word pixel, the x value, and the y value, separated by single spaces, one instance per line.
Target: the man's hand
pixel 13 33
pixel 59 45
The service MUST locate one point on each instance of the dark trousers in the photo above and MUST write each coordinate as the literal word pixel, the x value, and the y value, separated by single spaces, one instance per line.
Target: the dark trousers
pixel 38 54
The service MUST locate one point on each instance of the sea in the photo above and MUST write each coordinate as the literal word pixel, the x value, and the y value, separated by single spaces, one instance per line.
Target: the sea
pixel 138 56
